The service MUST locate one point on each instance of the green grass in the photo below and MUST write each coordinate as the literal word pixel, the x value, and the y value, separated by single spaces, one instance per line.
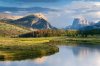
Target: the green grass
pixel 85 40
pixel 25 41
pixel 8 30
pixel 73 40
pixel 23 48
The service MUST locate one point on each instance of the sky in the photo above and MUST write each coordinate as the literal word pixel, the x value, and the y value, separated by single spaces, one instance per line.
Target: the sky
pixel 60 13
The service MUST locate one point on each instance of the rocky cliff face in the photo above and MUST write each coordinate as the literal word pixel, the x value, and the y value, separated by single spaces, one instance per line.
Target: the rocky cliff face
pixel 82 24
pixel 79 23
pixel 91 25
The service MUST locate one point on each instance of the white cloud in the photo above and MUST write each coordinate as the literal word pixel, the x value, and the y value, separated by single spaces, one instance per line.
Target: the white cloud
pixel 88 9
pixel 8 12
pixel 83 6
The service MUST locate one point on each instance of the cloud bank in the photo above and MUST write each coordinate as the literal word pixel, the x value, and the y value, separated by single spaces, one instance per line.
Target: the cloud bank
pixel 60 13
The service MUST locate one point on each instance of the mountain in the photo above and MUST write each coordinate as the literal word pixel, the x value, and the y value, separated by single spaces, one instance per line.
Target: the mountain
pixel 97 24
pixel 91 27
pixel 79 23
pixel 9 30
pixel 33 21
pixel 4 16
pixel 68 27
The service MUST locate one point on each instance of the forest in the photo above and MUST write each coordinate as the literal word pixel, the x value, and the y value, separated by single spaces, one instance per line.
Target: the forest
pixel 55 33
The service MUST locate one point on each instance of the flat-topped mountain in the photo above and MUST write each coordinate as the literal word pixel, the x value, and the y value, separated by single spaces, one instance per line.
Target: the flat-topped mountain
pixel 79 23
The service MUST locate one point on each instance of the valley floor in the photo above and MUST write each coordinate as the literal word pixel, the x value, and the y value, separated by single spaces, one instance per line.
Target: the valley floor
pixel 22 48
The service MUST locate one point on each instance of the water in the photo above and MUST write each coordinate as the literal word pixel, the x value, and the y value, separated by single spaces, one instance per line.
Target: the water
pixel 67 56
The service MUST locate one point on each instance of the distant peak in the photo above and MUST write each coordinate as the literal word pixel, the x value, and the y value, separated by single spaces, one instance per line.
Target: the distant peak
pixel 39 15
pixel 80 17
pixel 79 22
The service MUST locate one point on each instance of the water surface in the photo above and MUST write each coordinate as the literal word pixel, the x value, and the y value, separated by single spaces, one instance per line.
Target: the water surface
pixel 67 56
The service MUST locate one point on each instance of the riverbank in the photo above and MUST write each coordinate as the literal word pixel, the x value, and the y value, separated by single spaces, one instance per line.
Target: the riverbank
pixel 77 40
pixel 25 48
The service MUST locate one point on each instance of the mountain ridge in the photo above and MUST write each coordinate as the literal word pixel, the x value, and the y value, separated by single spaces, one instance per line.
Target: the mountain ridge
pixel 32 21
pixel 83 24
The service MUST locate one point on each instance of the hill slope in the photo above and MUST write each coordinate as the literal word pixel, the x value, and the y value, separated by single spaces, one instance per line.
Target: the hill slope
pixel 8 30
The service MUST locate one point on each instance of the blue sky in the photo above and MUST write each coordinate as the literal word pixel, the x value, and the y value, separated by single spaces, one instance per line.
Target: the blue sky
pixel 60 13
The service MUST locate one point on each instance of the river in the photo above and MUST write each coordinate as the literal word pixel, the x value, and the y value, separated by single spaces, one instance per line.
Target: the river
pixel 67 56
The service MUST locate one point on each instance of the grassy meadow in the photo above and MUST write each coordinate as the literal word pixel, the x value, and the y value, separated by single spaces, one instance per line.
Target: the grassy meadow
pixel 9 30
pixel 77 40
pixel 23 48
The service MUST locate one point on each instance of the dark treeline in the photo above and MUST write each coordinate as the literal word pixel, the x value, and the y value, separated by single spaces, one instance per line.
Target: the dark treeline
pixel 69 33
pixel 44 33
pixel 83 33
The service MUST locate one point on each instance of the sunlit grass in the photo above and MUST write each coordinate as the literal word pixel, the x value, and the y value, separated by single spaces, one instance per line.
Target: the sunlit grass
pixel 14 41
pixel 19 48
